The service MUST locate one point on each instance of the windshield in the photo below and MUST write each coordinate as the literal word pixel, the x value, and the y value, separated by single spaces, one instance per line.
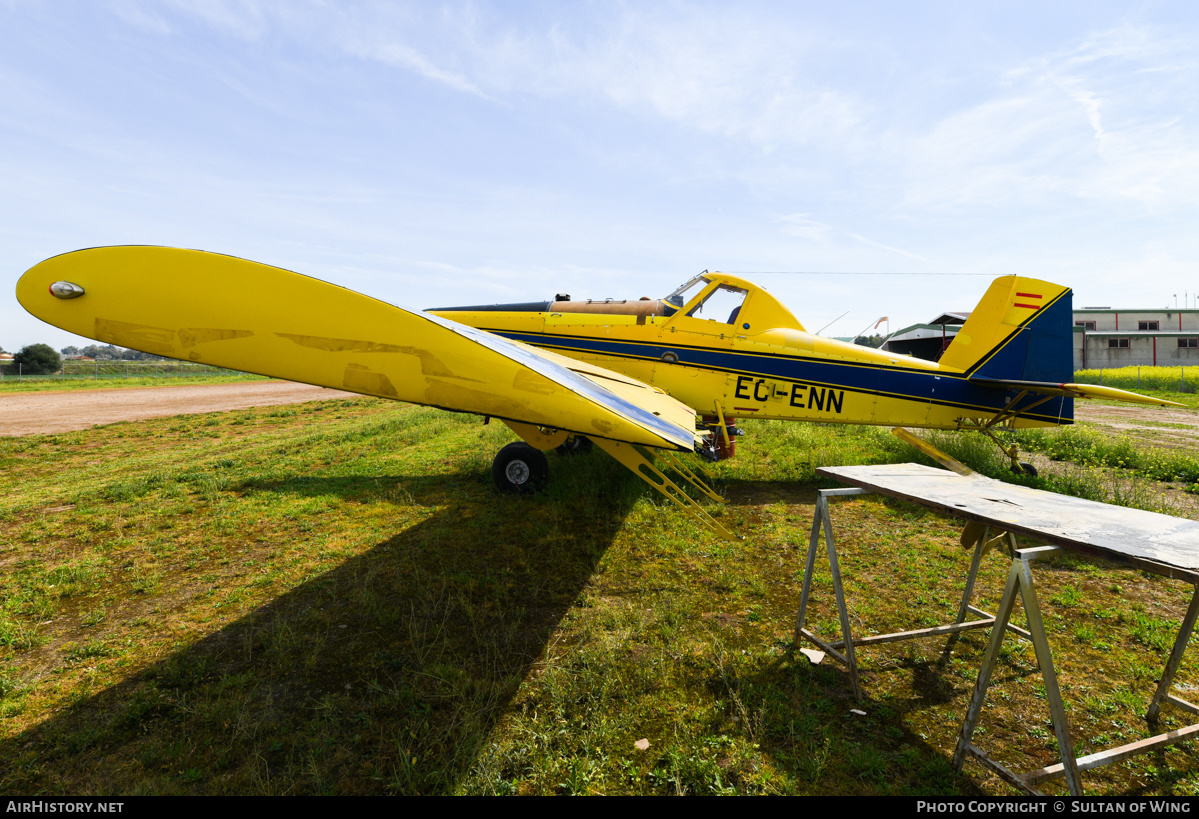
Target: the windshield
pixel 724 301
pixel 685 293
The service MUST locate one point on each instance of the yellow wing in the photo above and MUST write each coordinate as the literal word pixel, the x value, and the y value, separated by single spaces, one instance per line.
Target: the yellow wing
pixel 221 310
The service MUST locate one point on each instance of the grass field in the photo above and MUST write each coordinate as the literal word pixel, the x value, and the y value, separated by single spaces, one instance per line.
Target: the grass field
pixel 1173 379
pixel 118 374
pixel 331 598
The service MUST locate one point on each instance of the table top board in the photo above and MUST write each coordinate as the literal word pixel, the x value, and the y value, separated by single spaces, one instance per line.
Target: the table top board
pixel 1147 540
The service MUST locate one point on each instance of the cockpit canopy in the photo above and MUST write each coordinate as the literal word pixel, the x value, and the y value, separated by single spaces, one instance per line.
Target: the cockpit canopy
pixel 716 299
pixel 725 299
pixel 716 302
pixel 712 297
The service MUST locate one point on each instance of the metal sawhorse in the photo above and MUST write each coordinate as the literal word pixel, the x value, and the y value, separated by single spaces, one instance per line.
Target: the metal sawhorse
pixel 1020 580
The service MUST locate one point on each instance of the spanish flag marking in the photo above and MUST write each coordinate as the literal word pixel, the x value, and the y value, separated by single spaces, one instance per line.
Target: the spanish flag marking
pixel 1028 296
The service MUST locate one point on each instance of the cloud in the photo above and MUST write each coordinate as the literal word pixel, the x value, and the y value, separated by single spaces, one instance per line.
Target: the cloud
pixel 402 56
pixel 1105 119
pixel 710 69
pixel 882 246
pixel 802 226
pixel 245 19
pixel 136 15
pixel 1082 120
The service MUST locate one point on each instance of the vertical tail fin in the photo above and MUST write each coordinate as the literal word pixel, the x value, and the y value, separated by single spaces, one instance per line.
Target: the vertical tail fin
pixel 1021 330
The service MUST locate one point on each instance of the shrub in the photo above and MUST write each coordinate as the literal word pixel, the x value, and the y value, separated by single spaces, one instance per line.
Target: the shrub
pixel 37 359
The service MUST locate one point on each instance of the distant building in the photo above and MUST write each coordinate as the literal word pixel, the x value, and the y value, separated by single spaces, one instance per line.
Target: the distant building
pixel 926 341
pixel 1105 338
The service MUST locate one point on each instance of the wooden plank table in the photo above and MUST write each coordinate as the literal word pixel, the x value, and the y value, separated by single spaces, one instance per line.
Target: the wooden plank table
pixel 995 512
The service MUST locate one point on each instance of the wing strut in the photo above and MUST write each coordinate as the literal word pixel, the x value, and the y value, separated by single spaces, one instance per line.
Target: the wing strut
pixel 676 463
pixel 640 466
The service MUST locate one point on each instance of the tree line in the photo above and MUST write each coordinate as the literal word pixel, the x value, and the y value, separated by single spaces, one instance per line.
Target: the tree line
pixel 107 352
pixel 41 359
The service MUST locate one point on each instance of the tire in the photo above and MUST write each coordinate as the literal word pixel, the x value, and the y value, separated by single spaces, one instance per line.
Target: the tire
pixel 1025 469
pixel 575 445
pixel 520 469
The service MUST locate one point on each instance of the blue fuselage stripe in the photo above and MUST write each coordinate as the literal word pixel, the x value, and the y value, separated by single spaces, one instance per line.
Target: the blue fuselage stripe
pixel 917 385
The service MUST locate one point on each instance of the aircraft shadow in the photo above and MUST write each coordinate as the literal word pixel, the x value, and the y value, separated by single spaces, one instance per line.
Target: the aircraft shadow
pixel 382 675
pixel 388 673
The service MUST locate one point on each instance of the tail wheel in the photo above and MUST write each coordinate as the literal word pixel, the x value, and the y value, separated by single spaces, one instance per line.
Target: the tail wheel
pixel 1024 468
pixel 1012 453
pixel 520 468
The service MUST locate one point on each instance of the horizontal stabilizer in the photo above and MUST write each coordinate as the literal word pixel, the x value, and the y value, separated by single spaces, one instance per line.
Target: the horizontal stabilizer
pixel 1074 391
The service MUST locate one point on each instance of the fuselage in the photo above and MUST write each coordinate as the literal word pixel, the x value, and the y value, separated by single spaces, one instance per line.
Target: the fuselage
pixel 758 362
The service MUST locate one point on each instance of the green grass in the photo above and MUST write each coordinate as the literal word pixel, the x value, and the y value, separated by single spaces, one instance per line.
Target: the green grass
pixel 1090 447
pixel 11 384
pixel 331 598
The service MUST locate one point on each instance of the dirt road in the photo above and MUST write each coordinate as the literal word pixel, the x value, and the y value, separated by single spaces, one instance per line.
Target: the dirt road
pixel 43 412
pixel 1166 428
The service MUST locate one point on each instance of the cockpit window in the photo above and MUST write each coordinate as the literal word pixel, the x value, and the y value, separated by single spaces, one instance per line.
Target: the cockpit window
pixel 686 292
pixel 722 304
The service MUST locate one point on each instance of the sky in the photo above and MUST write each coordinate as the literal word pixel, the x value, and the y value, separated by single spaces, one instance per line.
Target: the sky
pixel 857 159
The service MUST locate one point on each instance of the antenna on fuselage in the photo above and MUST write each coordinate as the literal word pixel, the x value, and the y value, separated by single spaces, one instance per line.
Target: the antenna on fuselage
pixel 831 323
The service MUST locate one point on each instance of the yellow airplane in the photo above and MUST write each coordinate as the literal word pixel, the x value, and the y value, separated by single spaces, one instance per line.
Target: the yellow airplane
pixel 728 349
pixel 564 373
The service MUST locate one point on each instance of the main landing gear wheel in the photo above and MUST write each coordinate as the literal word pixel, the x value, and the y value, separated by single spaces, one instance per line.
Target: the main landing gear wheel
pixel 520 468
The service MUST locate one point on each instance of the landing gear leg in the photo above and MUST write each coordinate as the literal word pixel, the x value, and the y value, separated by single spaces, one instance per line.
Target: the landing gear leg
pixel 575 445
pixel 723 431
pixel 1012 452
